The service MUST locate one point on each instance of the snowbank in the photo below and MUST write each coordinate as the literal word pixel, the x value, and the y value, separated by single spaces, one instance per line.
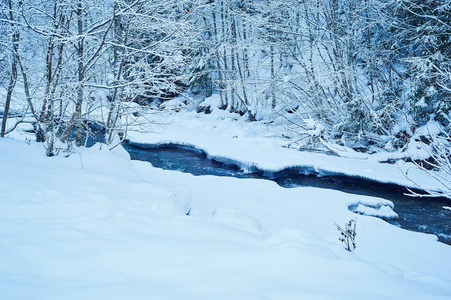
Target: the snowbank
pixel 257 145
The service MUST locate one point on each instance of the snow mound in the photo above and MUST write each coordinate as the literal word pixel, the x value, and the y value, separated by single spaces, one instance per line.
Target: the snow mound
pixel 380 211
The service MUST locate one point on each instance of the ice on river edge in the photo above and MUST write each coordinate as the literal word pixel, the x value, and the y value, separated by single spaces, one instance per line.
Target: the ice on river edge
pixel 381 211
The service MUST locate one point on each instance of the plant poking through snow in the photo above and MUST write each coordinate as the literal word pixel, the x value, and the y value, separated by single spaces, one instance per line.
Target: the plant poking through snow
pixel 348 234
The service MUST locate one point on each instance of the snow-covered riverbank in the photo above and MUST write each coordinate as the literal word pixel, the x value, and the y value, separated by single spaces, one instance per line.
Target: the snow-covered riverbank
pixel 260 145
pixel 97 226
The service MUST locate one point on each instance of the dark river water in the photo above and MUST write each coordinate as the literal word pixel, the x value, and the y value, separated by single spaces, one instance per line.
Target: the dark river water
pixel 417 214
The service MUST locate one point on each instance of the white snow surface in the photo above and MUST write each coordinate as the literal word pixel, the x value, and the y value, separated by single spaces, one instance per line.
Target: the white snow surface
pixel 96 225
pixel 256 144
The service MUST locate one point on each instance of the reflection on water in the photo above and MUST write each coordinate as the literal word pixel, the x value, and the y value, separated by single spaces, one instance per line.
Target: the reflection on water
pixel 416 214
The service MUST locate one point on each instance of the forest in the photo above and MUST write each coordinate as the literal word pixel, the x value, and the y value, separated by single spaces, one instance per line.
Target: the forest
pixel 359 74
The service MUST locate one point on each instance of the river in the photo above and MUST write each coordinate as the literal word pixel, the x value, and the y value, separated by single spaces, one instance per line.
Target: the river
pixel 428 215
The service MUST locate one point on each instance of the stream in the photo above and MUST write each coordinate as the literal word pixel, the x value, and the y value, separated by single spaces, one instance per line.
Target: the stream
pixel 426 214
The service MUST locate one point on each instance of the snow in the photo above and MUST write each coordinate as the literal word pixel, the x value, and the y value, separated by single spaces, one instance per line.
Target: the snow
pixel 381 211
pixel 431 128
pixel 96 225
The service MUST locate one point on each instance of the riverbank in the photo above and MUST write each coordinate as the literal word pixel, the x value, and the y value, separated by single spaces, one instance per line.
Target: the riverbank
pixel 231 138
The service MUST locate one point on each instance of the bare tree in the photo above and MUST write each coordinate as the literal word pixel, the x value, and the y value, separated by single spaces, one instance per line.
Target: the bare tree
pixel 10 17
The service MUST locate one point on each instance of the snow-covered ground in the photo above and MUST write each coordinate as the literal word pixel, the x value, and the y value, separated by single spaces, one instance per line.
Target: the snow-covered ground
pixel 96 225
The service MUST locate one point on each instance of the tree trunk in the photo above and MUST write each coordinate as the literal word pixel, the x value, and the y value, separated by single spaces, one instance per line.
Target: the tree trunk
pixel 218 63
pixel 13 77
pixel 273 75
pixel 113 113
pixel 224 34
pixel 233 107
pixel 240 72
pixel 81 74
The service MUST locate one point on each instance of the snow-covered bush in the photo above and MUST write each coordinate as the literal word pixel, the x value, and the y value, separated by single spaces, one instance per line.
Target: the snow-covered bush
pixel 433 143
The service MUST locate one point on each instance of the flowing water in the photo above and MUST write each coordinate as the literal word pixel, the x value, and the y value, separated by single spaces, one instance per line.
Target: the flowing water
pixel 429 215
